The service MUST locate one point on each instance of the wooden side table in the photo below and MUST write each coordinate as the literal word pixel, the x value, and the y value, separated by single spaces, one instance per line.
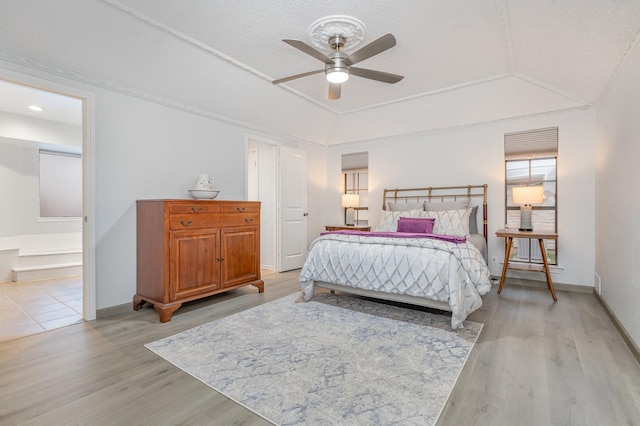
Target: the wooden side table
pixel 347 227
pixel 540 236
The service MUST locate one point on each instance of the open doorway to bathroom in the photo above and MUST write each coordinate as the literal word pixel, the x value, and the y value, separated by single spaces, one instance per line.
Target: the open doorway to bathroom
pixel 41 233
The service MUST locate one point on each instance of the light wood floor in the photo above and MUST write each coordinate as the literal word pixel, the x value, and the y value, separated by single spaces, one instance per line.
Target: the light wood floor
pixel 535 363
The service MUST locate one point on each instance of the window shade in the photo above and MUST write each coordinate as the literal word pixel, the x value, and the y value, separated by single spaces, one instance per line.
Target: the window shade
pixel 537 143
pixel 60 184
pixel 356 161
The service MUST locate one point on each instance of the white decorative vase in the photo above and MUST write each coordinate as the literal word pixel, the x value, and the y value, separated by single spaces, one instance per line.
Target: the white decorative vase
pixel 204 182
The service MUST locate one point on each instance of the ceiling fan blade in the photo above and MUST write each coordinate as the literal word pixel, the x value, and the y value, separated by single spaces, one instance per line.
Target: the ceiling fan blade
pixel 293 77
pixel 385 77
pixel 385 42
pixel 334 90
pixel 308 50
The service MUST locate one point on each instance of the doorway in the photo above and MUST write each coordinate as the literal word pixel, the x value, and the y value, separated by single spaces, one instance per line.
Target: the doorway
pixel 262 185
pixel 277 177
pixel 58 272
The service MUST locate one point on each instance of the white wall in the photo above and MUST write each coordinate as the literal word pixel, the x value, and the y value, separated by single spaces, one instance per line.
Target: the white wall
pixel 25 128
pixel 146 150
pixel 475 155
pixel 618 196
pixel 20 139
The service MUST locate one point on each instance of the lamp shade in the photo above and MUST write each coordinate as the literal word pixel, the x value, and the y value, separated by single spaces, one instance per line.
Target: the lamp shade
pixel 527 195
pixel 350 200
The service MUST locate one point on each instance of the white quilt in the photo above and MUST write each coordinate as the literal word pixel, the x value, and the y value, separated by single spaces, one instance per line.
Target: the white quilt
pixel 438 270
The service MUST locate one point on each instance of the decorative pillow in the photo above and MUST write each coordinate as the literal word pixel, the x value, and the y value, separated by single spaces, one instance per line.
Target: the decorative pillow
pixel 450 222
pixel 438 206
pixel 394 206
pixel 420 225
pixel 388 221
pixel 473 221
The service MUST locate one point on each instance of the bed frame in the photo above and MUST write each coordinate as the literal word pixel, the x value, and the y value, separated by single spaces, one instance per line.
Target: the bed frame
pixel 475 193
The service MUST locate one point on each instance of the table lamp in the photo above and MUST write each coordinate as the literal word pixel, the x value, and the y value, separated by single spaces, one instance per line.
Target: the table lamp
pixel 525 196
pixel 349 201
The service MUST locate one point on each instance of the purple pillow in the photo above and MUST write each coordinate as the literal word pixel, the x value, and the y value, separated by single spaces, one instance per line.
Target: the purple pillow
pixel 417 225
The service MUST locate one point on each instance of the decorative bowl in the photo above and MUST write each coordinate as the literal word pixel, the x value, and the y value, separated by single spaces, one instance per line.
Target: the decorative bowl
pixel 203 194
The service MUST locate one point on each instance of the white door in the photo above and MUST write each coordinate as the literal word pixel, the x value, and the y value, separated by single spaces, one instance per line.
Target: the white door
pixel 293 205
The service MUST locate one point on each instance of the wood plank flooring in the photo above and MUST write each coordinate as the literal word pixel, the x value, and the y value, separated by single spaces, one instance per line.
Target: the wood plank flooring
pixel 536 363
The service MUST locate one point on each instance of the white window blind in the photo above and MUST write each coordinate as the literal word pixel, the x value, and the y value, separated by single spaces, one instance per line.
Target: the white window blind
pixel 355 161
pixel 539 143
pixel 60 184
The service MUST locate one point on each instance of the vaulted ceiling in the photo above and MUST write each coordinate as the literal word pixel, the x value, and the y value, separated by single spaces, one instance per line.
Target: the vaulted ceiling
pixel 464 61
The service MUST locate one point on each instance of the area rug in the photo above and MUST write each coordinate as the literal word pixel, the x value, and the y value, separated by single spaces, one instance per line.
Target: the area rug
pixel 335 360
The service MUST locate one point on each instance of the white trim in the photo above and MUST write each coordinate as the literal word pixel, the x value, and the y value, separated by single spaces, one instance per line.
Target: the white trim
pixel 134 92
pixel 88 100
pixel 59 219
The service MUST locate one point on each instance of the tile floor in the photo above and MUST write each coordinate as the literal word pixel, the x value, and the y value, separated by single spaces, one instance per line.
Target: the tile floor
pixel 30 307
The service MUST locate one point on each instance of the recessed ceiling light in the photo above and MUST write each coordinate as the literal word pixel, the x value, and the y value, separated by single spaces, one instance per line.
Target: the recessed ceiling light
pixel 35 108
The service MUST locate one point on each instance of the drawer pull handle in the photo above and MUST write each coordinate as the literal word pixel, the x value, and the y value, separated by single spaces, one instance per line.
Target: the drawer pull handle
pixel 248 219
pixel 240 209
pixel 193 209
pixel 221 258
pixel 185 224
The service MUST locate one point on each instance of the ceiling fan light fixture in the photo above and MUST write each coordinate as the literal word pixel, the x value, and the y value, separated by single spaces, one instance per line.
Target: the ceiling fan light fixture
pixel 337 75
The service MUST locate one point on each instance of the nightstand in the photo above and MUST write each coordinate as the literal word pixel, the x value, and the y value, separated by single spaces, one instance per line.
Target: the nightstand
pixel 538 235
pixel 347 227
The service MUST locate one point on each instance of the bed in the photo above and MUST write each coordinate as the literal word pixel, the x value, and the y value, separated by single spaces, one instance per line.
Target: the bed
pixel 427 249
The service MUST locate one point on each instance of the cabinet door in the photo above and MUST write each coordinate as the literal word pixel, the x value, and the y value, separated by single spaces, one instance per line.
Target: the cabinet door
pixel 241 254
pixel 195 262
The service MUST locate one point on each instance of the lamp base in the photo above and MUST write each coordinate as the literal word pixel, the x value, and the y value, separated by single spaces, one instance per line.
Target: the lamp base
pixel 351 217
pixel 525 218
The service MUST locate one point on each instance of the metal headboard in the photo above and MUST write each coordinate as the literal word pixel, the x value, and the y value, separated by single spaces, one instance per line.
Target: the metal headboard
pixel 442 193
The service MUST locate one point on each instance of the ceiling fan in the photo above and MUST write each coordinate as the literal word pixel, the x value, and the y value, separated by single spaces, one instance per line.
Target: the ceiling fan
pixel 338 65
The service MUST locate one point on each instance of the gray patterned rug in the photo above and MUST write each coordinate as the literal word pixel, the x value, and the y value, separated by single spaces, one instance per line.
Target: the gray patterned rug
pixel 335 360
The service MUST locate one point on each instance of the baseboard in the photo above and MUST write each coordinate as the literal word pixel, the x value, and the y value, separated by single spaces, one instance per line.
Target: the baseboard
pixel 635 350
pixel 543 284
pixel 114 310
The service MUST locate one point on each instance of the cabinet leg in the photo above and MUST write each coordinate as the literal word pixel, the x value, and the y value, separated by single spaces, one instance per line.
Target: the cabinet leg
pixel 165 312
pixel 138 302
pixel 259 285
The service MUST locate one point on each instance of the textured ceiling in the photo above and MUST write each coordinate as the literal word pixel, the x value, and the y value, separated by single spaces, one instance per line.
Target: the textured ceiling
pixel 464 61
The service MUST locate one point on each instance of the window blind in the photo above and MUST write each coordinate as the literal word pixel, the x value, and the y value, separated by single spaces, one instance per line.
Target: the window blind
pixel 539 143
pixel 355 161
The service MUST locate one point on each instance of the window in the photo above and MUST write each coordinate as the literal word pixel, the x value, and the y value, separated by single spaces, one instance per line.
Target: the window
pixel 531 159
pixel 355 172
pixel 60 184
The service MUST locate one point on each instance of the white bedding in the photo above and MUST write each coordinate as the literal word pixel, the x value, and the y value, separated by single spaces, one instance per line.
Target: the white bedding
pixel 437 270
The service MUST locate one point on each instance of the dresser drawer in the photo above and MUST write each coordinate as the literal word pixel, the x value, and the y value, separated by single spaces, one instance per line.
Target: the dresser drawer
pixel 194 221
pixel 240 208
pixel 195 208
pixel 241 219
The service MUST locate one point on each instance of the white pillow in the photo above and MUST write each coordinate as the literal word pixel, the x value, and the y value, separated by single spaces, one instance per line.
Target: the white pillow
pixel 388 221
pixel 449 222
pixel 404 206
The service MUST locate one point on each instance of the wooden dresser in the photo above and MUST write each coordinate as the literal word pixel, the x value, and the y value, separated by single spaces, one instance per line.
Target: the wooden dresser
pixel 189 249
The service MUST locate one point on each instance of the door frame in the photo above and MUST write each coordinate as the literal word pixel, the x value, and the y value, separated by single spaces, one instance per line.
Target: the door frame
pixel 88 184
